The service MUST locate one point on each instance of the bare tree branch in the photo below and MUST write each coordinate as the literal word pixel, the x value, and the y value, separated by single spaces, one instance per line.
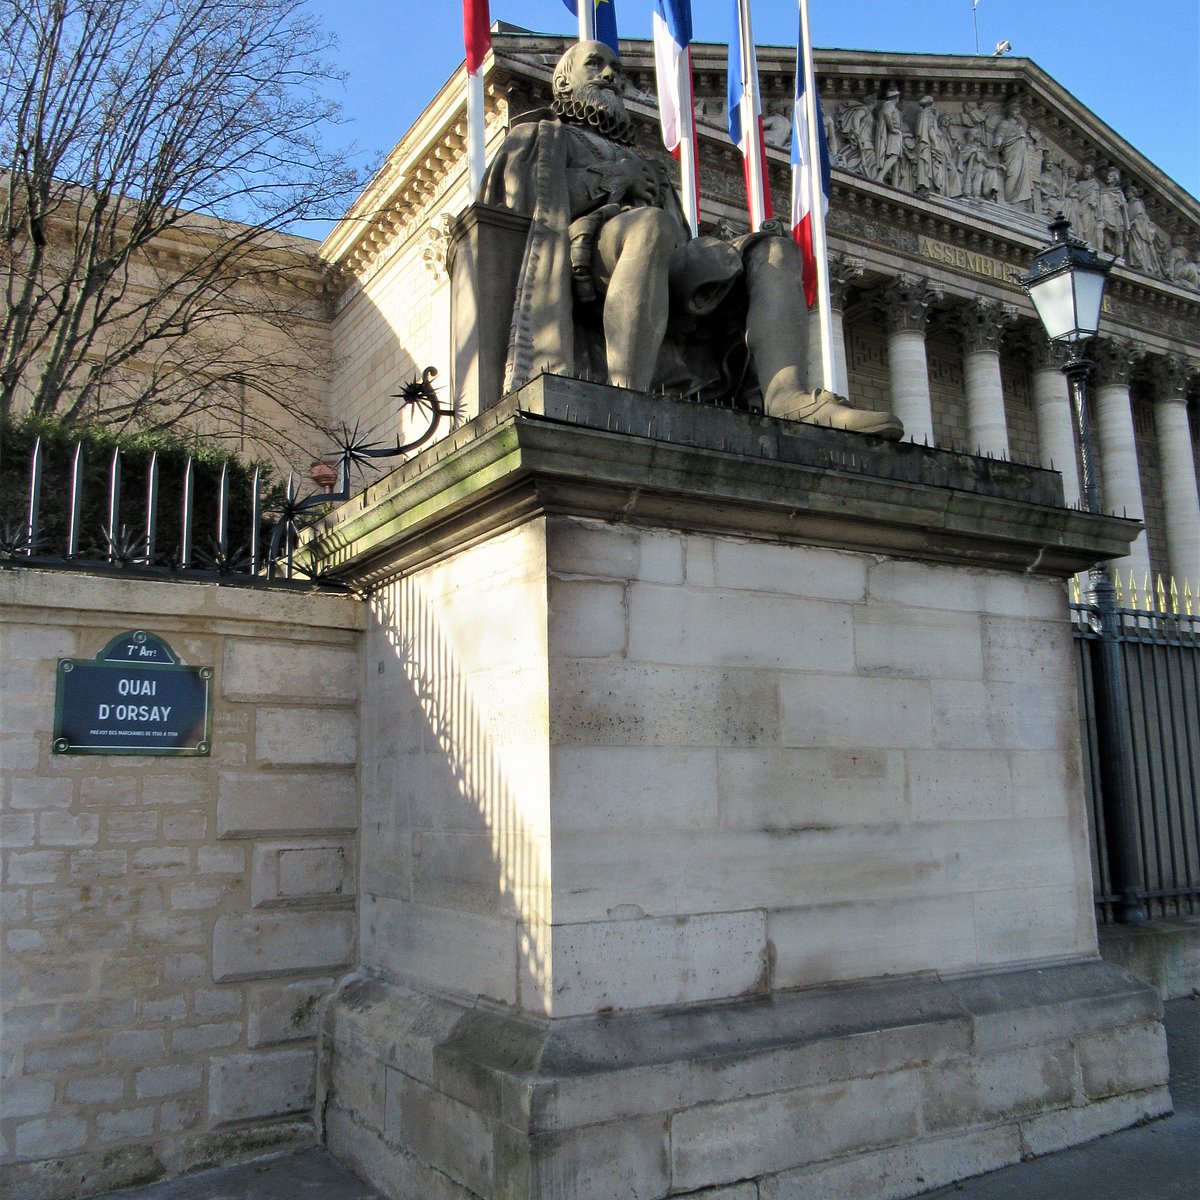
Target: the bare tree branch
pixel 153 154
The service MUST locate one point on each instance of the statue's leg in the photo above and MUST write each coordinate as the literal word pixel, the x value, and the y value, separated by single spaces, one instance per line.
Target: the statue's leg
pixel 776 325
pixel 630 265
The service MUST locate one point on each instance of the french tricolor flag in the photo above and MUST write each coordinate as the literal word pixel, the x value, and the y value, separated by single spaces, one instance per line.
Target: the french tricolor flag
pixel 802 168
pixel 477 39
pixel 745 114
pixel 599 17
pixel 673 64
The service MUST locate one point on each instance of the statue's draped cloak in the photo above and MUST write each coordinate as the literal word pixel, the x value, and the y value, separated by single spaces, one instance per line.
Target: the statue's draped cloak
pixel 529 175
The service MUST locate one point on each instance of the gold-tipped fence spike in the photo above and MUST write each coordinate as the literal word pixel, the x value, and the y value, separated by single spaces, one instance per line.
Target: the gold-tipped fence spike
pixel 1161 594
pixel 1174 595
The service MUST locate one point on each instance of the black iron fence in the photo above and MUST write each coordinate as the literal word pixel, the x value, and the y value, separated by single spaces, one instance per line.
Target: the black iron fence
pixel 129 514
pixel 1154 833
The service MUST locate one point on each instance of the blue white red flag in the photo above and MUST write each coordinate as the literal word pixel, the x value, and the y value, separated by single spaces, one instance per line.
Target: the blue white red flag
pixel 477 34
pixel 802 173
pixel 477 39
pixel 745 113
pixel 605 20
pixel 673 64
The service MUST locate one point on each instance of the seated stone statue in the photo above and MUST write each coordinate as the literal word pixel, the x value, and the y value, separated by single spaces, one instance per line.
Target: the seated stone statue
pixel 613 286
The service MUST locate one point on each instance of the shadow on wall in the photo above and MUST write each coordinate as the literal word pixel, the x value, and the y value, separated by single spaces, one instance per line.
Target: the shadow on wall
pixel 455 873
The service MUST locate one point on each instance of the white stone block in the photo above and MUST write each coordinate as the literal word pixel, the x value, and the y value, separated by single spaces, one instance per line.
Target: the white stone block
pixel 269 1083
pixel 849 711
pixel 305 736
pixel 463 953
pixel 153 1082
pixel 49 1137
pixel 261 803
pixel 782 790
pixel 285 1012
pixel 790 570
pixel 1123 1060
pixel 641 963
pixel 860 941
pixel 965 785
pixel 724 1143
pixel 897 1172
pixel 627 787
pixel 249 945
pixel 125 1124
pixel 289 872
pixel 261 669
pixel 636 704
pixel 441 1132
pixel 682 626
pixel 26 1098
pixel 917 643
pixel 580 547
pixel 586 618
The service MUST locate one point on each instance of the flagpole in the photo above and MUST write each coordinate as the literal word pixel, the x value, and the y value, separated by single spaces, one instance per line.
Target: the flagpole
pixel 689 180
pixel 753 134
pixel 478 43
pixel 586 10
pixel 815 190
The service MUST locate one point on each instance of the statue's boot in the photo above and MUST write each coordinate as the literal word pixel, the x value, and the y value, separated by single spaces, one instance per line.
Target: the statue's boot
pixel 819 407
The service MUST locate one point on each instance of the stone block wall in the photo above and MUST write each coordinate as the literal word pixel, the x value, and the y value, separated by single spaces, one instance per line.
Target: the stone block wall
pixel 169 925
pixel 776 766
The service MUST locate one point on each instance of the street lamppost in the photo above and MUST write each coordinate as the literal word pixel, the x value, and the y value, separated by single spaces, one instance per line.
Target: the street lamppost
pixel 1066 284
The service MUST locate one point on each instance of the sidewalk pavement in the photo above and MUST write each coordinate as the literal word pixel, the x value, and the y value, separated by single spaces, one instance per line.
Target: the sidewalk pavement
pixel 1159 1161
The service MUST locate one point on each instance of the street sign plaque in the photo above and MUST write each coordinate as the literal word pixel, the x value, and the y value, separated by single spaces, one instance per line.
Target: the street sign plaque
pixel 134 697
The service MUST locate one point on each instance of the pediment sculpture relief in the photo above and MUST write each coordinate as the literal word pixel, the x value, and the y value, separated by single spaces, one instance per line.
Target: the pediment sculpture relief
pixel 980 150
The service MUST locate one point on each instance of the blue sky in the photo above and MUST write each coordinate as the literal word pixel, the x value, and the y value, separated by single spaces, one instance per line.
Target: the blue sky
pixel 1136 65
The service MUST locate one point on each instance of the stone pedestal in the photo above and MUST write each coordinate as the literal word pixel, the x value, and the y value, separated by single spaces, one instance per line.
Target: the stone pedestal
pixel 722 818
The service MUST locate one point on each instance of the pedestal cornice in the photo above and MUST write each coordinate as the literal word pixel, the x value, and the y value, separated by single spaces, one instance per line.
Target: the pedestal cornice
pixel 565 446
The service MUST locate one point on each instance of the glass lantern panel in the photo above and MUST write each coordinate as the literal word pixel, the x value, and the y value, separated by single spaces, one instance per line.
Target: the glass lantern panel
pixel 1054 300
pixel 1089 294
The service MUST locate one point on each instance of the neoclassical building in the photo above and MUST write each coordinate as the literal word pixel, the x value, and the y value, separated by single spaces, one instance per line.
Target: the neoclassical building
pixel 947 170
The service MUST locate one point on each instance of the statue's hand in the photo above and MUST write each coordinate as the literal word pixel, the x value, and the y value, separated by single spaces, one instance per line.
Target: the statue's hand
pixel 630 181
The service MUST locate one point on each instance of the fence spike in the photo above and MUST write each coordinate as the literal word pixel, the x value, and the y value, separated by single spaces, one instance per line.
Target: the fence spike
pixel 189 489
pixel 223 513
pixel 35 497
pixel 151 509
pixel 114 503
pixel 75 511
pixel 255 520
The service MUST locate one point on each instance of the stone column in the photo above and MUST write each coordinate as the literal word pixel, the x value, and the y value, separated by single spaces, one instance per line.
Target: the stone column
pixel 1120 478
pixel 844 271
pixel 1052 406
pixel 905 303
pixel 982 324
pixel 1178 469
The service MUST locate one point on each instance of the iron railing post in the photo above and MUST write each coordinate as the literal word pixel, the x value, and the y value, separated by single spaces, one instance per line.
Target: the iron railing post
pixel 1112 700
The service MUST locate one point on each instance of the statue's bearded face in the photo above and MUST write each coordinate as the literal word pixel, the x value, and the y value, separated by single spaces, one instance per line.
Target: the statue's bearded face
pixel 590 74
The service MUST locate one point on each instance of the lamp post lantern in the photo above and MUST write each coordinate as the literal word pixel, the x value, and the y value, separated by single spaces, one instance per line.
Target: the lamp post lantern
pixel 1066 284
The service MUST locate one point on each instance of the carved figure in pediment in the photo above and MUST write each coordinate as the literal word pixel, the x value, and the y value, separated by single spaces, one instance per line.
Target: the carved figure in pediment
pixel 975 116
pixel 831 135
pixel 777 125
pixel 610 281
pixel 1143 243
pixel 893 142
pixel 937 168
pixel 1012 142
pixel 1086 197
pixel 983 173
pixel 1114 215
pixel 711 110
pixel 1182 267
pixel 856 123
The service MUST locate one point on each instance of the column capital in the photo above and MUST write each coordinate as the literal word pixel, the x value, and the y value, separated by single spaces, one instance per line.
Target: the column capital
pixel 845 270
pixel 1115 359
pixel 1171 375
pixel 982 323
pixel 1044 355
pixel 905 303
